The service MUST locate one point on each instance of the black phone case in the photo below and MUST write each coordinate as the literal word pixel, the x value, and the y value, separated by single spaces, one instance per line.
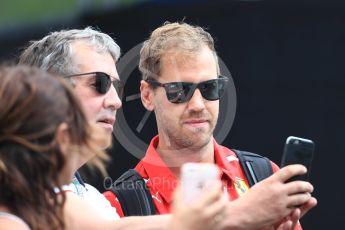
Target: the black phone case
pixel 298 151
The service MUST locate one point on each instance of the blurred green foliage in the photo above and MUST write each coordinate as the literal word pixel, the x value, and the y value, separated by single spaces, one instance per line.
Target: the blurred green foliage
pixel 14 12
pixel 30 11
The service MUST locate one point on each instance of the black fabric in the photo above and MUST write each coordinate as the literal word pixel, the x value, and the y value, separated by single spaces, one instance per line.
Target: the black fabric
pixel 133 195
pixel 255 166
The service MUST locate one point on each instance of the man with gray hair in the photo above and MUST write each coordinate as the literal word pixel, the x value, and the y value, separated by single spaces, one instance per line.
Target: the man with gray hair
pixel 87 58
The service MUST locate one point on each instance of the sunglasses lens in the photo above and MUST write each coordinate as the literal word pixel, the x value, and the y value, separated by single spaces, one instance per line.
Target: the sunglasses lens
pixel 103 82
pixel 213 89
pixel 178 92
pixel 221 86
pixel 118 87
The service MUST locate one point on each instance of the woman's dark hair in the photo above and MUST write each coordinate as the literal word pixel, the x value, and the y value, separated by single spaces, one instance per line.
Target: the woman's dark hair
pixel 33 104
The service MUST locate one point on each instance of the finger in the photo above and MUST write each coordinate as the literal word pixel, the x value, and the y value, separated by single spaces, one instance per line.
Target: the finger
pixel 312 202
pixel 294 187
pixel 217 208
pixel 287 225
pixel 294 217
pixel 217 212
pixel 298 199
pixel 289 171
pixel 177 197
pixel 210 195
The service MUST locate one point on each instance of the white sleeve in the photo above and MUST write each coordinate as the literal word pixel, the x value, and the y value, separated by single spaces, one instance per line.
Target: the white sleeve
pixel 94 198
pixel 100 203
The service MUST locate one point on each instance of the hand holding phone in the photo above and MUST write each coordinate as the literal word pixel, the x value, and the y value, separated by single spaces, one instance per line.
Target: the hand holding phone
pixel 298 151
pixel 196 178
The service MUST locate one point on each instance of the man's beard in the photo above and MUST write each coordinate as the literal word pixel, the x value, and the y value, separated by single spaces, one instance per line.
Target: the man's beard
pixel 185 141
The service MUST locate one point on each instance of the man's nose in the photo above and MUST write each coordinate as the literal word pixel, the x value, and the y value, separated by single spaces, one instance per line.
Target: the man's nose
pixel 196 103
pixel 112 99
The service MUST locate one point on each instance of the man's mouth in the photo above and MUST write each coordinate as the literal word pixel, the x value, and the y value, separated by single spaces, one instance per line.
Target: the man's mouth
pixel 196 123
pixel 107 123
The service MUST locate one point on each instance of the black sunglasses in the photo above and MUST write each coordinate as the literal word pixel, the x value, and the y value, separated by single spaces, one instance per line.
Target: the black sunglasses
pixel 180 92
pixel 103 82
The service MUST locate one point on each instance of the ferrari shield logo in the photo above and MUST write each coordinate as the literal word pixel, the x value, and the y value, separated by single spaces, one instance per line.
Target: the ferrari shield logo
pixel 240 186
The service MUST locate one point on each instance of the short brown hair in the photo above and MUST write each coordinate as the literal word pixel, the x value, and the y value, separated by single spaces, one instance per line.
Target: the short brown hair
pixel 172 37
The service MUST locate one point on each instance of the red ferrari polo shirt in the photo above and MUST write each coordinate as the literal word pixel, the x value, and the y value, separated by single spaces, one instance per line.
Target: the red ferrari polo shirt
pixel 161 182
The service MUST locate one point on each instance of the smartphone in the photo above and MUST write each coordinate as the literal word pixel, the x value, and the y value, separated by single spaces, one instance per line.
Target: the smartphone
pixel 298 151
pixel 196 178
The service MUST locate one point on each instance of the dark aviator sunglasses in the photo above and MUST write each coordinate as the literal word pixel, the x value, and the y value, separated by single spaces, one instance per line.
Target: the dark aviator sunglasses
pixel 180 92
pixel 103 82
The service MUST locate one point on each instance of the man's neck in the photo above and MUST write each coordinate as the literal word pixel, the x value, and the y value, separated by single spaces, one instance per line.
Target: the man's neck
pixel 174 158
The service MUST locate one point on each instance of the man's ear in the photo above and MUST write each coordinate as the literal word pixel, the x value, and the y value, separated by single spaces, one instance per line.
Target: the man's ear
pixel 146 94
pixel 62 137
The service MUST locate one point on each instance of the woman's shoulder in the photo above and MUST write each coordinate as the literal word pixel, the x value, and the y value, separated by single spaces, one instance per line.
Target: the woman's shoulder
pixel 10 221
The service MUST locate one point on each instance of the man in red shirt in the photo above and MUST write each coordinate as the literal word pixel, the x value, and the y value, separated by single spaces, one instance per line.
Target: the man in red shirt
pixel 87 58
pixel 182 85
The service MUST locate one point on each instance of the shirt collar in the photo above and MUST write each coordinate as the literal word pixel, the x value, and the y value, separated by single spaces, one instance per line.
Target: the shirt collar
pixel 161 178
pixel 164 181
pixel 221 156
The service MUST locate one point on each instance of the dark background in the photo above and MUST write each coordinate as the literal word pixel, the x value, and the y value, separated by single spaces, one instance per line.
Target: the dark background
pixel 287 62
